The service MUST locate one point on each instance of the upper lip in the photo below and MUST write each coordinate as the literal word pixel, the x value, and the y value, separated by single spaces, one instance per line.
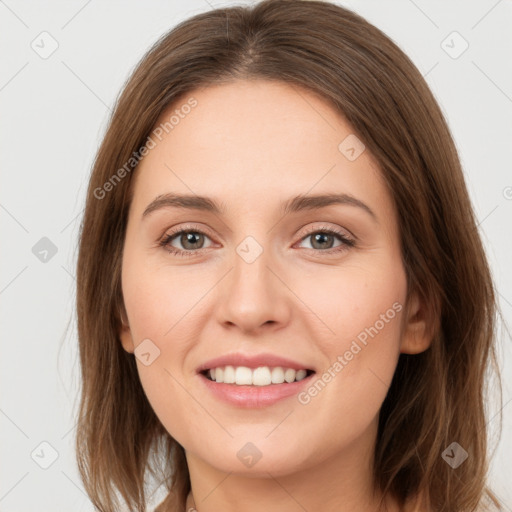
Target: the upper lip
pixel 252 361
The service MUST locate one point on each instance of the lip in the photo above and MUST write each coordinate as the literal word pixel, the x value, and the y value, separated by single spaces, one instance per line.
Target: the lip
pixel 253 361
pixel 254 397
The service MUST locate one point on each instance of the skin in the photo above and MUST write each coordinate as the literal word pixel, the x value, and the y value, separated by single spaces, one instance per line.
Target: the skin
pixel 251 145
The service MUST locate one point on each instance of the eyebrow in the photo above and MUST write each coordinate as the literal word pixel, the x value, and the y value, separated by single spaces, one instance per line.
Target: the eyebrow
pixel 295 204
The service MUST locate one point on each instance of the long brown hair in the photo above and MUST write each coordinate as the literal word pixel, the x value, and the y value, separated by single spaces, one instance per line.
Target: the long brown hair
pixel 436 397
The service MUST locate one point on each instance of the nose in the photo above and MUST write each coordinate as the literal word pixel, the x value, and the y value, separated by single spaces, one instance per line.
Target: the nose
pixel 254 296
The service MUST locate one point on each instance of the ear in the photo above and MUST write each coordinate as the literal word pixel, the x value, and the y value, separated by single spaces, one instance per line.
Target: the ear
pixel 125 333
pixel 417 331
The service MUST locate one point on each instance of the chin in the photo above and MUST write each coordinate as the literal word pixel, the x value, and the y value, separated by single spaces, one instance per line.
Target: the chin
pixel 257 459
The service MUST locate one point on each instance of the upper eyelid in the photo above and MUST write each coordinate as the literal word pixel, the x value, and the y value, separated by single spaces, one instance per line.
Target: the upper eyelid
pixel 314 229
pixel 187 227
pixel 197 227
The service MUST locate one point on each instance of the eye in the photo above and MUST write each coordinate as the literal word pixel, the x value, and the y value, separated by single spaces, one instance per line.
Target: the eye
pixel 190 239
pixel 323 239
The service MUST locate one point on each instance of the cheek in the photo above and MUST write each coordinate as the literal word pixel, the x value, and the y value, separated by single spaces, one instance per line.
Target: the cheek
pixel 160 300
pixel 169 306
pixel 363 309
pixel 155 311
pixel 352 300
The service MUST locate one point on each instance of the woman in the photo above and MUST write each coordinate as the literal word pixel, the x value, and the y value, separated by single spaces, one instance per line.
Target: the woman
pixel 243 368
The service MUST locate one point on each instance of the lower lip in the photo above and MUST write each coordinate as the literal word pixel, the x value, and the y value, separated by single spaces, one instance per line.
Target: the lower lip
pixel 254 396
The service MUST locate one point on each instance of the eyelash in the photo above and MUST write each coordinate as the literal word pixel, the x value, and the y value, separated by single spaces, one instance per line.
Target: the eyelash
pixel 166 240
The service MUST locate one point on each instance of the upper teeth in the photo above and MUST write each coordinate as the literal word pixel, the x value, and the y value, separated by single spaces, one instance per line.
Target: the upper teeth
pixel 261 376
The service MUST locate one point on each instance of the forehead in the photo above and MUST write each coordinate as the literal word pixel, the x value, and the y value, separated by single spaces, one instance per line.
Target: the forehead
pixel 251 143
pixel 270 115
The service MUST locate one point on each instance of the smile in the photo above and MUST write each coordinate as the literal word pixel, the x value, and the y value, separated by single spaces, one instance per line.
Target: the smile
pixel 259 392
pixel 261 376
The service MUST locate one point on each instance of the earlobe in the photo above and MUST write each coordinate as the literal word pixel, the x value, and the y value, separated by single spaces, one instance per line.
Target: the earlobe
pixel 416 336
pixel 125 334
pixel 126 339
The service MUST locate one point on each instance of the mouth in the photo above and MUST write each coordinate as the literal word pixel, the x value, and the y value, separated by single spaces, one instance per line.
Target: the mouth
pixel 254 388
pixel 253 380
pixel 261 376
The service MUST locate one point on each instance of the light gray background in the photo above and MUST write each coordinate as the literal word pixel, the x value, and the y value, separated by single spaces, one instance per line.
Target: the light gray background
pixel 54 113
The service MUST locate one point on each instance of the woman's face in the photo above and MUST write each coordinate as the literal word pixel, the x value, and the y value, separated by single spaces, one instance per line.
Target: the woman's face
pixel 259 274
